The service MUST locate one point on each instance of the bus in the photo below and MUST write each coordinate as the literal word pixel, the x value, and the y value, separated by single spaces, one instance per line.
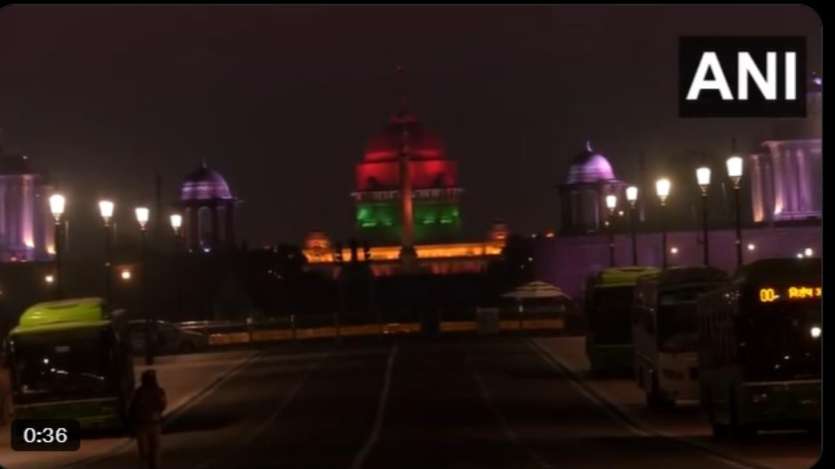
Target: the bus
pixel 760 348
pixel 664 332
pixel 69 359
pixel 607 304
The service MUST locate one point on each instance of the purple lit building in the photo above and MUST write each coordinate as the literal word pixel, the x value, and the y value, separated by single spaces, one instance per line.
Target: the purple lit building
pixel 208 211
pixel 583 196
pixel 783 176
pixel 26 232
pixel 786 172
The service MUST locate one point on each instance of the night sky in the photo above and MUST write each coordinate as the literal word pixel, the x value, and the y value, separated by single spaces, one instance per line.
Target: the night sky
pixel 281 100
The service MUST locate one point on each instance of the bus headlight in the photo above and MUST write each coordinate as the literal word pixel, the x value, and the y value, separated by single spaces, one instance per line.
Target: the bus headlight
pixel 815 332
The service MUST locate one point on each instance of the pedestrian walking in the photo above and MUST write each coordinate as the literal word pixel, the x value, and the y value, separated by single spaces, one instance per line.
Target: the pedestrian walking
pixel 146 410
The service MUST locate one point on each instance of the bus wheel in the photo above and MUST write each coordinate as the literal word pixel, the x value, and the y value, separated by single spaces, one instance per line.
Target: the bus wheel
pixel 739 431
pixel 720 430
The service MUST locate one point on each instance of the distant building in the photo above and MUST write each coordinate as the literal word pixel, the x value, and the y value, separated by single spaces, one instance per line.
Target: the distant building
pixel 26 226
pixel 784 177
pixel 419 231
pixel 434 184
pixel 437 258
pixel 209 211
pixel 786 174
pixel 583 195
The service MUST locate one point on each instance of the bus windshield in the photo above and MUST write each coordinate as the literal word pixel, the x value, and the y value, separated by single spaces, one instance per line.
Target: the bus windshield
pixel 610 316
pixel 63 365
pixel 776 342
pixel 677 319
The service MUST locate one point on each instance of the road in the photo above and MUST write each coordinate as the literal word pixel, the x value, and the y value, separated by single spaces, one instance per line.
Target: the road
pixel 408 403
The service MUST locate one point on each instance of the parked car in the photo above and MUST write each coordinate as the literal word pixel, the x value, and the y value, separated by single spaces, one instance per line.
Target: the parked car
pixel 169 338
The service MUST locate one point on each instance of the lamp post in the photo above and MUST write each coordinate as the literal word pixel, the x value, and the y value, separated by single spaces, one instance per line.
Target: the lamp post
pixel 57 203
pixel 142 217
pixel 106 208
pixel 703 178
pixel 662 189
pixel 632 198
pixel 734 165
pixel 611 204
pixel 176 225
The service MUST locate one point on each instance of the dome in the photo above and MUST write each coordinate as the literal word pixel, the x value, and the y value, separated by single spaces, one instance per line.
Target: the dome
pixel 205 184
pixel 589 167
pixel 386 145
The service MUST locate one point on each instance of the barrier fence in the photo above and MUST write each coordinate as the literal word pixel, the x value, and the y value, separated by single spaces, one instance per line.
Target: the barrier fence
pixel 230 333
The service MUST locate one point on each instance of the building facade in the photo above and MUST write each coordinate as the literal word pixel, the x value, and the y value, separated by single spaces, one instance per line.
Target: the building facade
pixel 208 211
pixel 583 195
pixel 26 224
pixel 435 191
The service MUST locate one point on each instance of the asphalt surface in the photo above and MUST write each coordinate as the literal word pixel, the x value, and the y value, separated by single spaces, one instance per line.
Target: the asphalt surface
pixel 407 403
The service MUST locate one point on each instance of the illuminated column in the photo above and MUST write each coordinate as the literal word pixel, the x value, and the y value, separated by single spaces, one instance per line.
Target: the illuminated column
pixel 230 223
pixel 757 196
pixel 803 176
pixel 193 228
pixel 215 237
pixel 407 250
pixel 778 177
pixel 27 216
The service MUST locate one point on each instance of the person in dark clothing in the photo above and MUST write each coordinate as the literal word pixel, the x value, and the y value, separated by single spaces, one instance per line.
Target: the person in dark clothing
pixel 146 410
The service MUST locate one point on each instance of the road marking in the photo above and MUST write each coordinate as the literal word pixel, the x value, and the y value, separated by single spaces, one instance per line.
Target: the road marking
pixel 506 428
pixel 177 410
pixel 636 427
pixel 359 459
pixel 290 397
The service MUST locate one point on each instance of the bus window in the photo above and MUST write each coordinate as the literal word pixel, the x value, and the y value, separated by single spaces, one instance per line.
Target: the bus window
pixel 611 313
pixel 776 342
pixel 62 366
pixel 678 328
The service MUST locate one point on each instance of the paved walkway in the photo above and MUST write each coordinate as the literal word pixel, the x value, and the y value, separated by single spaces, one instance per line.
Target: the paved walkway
pixel 686 422
pixel 186 378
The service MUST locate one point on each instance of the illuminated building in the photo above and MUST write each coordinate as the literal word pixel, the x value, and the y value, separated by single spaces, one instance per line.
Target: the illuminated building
pixel 786 175
pixel 26 232
pixel 433 180
pixel 438 258
pixel 209 211
pixel 407 208
pixel 583 195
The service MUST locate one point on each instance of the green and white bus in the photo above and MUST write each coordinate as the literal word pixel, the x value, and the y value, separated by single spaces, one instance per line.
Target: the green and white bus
pixel 665 329
pixel 69 360
pixel 608 302
pixel 760 348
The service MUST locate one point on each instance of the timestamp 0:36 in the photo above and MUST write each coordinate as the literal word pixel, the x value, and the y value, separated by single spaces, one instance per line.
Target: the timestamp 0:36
pixel 45 435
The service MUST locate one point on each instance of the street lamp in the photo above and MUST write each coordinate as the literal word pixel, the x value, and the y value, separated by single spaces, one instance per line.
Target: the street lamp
pixel 142 217
pixel 106 208
pixel 57 204
pixel 611 204
pixel 176 225
pixel 662 189
pixel 703 178
pixel 632 198
pixel 734 165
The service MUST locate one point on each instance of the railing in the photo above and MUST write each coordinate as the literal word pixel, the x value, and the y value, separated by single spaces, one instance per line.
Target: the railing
pixel 222 333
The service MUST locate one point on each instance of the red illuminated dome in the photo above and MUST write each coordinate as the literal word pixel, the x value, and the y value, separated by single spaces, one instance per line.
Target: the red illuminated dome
pixel 404 128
